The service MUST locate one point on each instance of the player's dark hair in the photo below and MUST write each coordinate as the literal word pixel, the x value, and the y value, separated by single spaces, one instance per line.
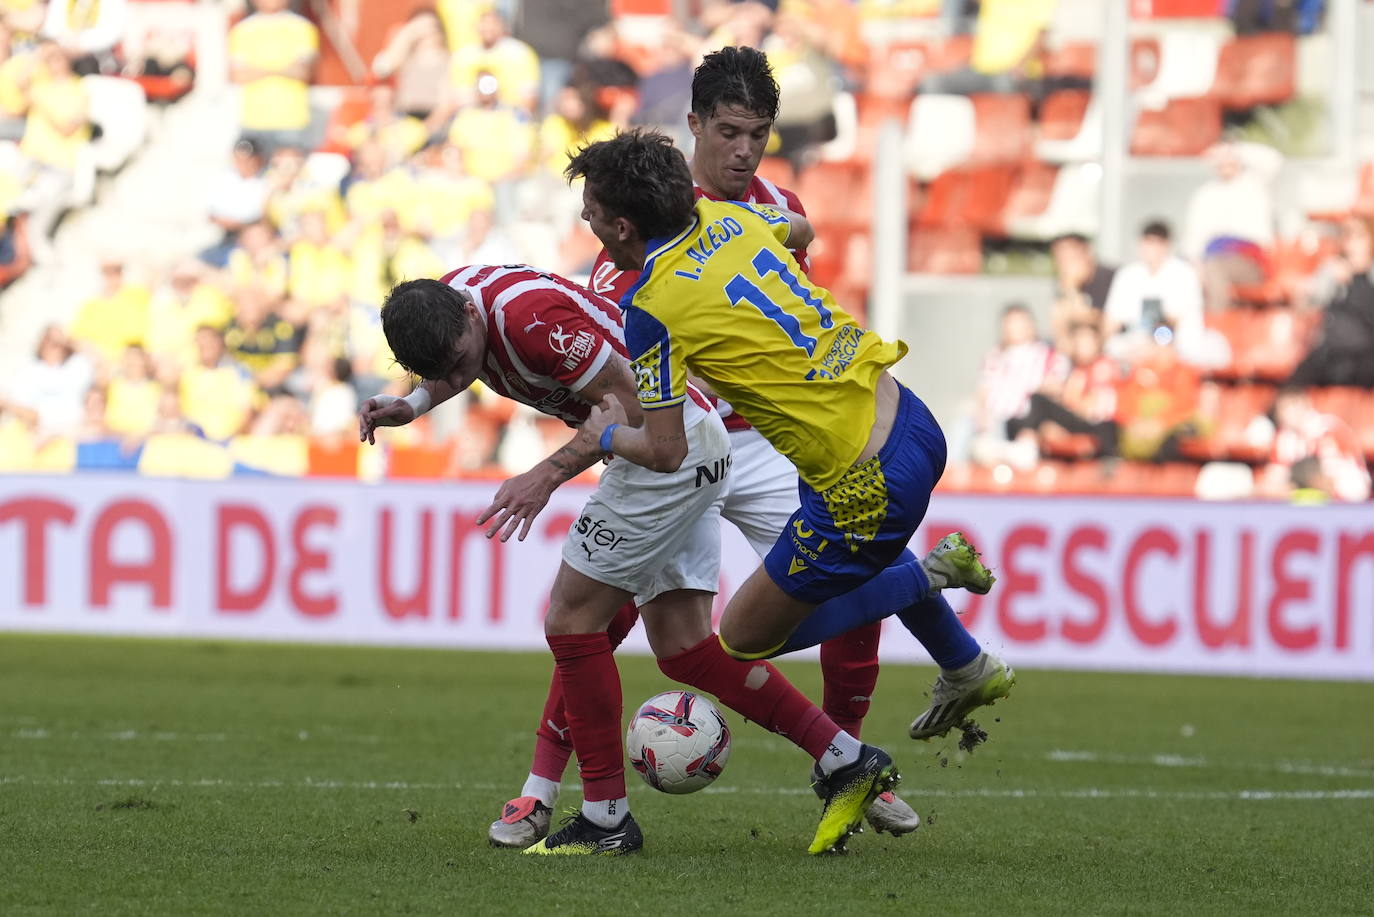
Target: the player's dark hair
pixel 1156 229
pixel 641 176
pixel 423 321
pixel 737 77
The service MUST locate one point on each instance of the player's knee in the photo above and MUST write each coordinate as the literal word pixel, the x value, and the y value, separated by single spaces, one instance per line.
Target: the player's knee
pixel 739 643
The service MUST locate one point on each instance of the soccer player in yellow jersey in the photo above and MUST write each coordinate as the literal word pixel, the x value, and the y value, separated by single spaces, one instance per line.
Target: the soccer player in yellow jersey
pixel 720 296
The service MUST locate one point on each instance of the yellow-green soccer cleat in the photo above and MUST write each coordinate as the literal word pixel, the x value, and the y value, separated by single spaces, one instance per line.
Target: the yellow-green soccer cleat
pixel 848 793
pixel 954 564
pixel 580 836
pixel 957 693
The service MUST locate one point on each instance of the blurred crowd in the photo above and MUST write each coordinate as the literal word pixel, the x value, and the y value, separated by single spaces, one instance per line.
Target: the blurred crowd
pixel 1135 364
pixel 252 354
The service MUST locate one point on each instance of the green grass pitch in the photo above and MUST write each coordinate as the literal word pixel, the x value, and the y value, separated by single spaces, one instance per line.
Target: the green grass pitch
pixel 168 777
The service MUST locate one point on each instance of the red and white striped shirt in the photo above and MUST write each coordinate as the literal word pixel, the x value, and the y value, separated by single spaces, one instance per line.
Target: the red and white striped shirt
pixel 613 283
pixel 1335 446
pixel 547 337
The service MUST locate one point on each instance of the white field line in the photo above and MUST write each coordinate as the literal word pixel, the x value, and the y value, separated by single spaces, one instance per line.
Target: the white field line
pixel 1254 795
pixel 134 735
pixel 1305 768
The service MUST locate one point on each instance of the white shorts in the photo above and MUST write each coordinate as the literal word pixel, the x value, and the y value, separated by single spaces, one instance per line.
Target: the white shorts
pixel 762 495
pixel 649 532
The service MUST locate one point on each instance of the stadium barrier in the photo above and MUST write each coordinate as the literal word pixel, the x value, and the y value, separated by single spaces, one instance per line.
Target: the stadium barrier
pixel 1128 584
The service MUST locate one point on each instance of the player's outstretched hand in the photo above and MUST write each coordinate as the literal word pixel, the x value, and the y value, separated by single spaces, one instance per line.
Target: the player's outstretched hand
pixel 518 501
pixel 382 411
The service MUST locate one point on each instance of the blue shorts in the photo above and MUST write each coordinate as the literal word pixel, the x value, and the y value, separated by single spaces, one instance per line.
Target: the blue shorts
pixel 843 536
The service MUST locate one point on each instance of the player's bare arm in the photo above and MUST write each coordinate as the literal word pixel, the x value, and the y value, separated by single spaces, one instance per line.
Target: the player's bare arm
pixel 660 444
pixel 396 411
pixel 800 231
pixel 521 498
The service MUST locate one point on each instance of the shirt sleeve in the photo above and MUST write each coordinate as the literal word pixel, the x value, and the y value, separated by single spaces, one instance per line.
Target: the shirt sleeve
pixel 777 222
pixel 660 368
pixel 554 338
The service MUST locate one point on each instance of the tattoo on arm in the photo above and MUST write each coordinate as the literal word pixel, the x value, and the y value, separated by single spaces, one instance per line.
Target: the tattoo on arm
pixel 570 461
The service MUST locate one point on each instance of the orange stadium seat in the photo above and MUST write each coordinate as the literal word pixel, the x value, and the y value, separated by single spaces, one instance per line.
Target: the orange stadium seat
pixel 1233 324
pixel 1278 340
pixel 1224 438
pixel 418 461
pixel 779 171
pixel 895 69
pixel 948 250
pixel 332 457
pixel 1256 70
pixel 831 193
pixel 872 112
pixel 352 108
pixel 1292 261
pixel 1030 193
pixel 971 198
pixel 1353 405
pixel 1072 59
pixel 1062 113
pixel 1001 128
pixel 1184 127
pixel 951 54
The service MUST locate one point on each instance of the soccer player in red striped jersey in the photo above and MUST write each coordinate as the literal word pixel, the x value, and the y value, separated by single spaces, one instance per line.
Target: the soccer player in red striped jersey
pixel 647 534
pixel 734 103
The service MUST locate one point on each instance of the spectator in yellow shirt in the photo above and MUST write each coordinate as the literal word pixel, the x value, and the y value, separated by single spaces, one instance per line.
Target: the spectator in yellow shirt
pixel 257 262
pixel 1008 50
pixel 57 129
pixel 385 254
pixel 108 323
pixel 133 395
pixel 497 141
pixel 573 124
pixel 374 187
pixel 400 135
pixel 271 56
pixel 496 51
pixel 16 74
pixel 180 306
pixel 446 199
pixel 217 395
pixel 319 270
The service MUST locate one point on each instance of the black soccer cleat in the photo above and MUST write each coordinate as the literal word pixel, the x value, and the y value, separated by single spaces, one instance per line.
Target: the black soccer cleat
pixel 848 793
pixel 580 836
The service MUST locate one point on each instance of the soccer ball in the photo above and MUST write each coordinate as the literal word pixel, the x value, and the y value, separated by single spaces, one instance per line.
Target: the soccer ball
pixel 678 742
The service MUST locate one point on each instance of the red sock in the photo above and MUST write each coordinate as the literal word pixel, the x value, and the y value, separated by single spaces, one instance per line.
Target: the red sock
pixel 849 663
pixel 552 740
pixel 591 695
pixel 756 690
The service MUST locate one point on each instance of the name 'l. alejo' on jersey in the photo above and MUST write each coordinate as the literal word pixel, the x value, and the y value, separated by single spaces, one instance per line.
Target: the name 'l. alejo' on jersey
pixel 726 299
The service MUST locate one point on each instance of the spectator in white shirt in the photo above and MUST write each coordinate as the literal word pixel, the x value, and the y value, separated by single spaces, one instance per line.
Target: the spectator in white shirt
pixel 1230 219
pixel 1016 368
pixel 238 198
pixel 1159 289
pixel 49 394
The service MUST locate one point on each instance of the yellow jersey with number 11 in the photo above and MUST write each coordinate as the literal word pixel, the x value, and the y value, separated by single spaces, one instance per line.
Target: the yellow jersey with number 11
pixel 726 300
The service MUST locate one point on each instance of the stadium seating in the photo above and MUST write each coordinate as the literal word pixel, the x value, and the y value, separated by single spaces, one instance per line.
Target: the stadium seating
pixel 941 133
pixel 1183 127
pixel 1256 70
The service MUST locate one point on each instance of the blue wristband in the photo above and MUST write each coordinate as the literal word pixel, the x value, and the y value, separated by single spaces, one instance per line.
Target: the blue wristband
pixel 606 437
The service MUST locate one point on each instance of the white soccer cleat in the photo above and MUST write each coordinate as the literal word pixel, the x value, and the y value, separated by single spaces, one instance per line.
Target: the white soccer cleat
pixel 954 564
pixel 523 821
pixel 891 814
pixel 958 693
